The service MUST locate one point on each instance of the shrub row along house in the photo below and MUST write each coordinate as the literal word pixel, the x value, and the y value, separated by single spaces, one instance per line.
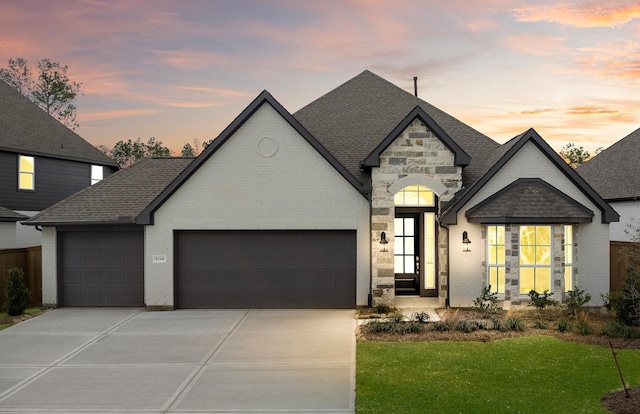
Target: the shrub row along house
pixel 41 163
pixel 365 194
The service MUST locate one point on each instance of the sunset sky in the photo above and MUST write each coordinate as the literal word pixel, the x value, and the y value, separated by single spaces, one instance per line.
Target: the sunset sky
pixel 180 70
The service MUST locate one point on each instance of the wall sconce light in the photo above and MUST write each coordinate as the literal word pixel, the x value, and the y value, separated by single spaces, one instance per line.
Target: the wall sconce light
pixel 465 241
pixel 383 241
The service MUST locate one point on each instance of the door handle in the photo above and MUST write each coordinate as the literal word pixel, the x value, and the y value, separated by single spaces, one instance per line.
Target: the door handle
pixel 417 265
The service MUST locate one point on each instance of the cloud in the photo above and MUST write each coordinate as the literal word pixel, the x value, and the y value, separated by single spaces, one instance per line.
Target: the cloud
pixel 191 59
pixel 535 44
pixel 113 114
pixel 583 15
pixel 616 59
pixel 537 111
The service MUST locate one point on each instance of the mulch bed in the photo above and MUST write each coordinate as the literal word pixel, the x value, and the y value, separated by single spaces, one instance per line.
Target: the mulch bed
pixel 618 402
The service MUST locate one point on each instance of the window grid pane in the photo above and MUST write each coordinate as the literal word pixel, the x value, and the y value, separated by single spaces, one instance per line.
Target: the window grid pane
pixel 535 259
pixel 568 258
pixel 414 195
pixel 496 259
pixel 26 173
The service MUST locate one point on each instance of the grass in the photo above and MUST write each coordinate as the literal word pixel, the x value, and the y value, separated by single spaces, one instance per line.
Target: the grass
pixel 33 311
pixel 534 374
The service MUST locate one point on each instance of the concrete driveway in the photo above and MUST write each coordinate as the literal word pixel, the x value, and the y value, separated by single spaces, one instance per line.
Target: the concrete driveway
pixel 187 361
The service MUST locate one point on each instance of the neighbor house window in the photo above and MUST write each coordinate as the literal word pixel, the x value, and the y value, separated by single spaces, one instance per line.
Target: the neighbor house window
pixel 414 195
pixel 568 258
pixel 96 174
pixel 496 256
pixel 26 173
pixel 535 259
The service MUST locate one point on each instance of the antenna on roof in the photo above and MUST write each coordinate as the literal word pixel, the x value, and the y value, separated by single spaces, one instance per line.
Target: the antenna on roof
pixel 415 86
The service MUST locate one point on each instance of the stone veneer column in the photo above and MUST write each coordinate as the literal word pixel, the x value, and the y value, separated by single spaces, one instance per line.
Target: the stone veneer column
pixel 416 152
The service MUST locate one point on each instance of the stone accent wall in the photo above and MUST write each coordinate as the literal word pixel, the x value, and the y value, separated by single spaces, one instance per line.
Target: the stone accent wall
pixel 418 153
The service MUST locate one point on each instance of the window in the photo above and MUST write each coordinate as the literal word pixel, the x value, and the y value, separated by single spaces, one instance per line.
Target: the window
pixel 404 245
pixel 414 195
pixel 535 259
pixel 568 258
pixel 495 261
pixel 26 173
pixel 96 174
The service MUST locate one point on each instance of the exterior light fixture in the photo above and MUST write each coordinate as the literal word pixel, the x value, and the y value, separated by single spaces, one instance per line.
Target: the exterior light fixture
pixel 465 241
pixel 383 241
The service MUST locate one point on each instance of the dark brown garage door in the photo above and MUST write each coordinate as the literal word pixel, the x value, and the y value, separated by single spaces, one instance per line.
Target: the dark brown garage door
pixel 102 268
pixel 265 269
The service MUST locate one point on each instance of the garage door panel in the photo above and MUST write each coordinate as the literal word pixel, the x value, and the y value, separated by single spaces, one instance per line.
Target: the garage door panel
pixel 102 268
pixel 265 269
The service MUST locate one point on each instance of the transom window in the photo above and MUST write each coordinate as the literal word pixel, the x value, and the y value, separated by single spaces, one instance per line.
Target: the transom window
pixel 535 258
pixel 414 195
pixel 26 173
pixel 496 256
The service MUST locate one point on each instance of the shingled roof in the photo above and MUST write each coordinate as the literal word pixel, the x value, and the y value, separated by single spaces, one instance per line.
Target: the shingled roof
pixel 27 129
pixel 354 118
pixel 615 172
pixel 529 201
pixel 10 215
pixel 119 198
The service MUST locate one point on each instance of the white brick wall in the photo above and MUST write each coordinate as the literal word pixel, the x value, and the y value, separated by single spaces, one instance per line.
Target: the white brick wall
pixel 629 225
pixel 237 188
pixel 49 267
pixel 529 162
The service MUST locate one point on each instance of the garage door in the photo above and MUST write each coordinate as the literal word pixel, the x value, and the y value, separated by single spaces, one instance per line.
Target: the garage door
pixel 102 268
pixel 265 269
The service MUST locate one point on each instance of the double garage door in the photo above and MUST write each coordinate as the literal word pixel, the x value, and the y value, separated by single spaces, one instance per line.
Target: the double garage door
pixel 214 269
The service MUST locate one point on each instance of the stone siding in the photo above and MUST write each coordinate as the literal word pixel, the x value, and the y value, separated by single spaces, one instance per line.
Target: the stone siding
pixel 417 152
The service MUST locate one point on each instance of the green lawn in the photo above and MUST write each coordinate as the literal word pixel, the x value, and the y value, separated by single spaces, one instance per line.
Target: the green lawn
pixel 534 374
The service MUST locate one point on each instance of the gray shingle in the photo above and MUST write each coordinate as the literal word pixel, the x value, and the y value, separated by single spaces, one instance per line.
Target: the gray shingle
pixel 353 119
pixel 10 215
pixel 118 198
pixel 615 172
pixel 529 200
pixel 24 127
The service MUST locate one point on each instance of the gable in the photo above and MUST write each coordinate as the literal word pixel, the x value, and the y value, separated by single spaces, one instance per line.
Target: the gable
pixel 263 104
pixel 529 156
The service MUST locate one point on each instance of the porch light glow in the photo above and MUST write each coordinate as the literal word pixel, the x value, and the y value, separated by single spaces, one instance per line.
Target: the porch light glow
pixel 383 241
pixel 465 241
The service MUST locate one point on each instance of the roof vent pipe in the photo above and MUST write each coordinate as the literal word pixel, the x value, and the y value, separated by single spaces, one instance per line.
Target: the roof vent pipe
pixel 415 86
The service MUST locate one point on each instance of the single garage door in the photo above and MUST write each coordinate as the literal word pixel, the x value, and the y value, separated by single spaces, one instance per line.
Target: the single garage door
pixel 102 268
pixel 265 269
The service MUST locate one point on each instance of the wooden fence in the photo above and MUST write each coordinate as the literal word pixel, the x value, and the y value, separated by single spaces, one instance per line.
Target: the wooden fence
pixel 621 256
pixel 30 261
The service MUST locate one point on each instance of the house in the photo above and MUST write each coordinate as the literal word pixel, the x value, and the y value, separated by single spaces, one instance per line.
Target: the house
pixel 41 163
pixel 365 194
pixel 615 175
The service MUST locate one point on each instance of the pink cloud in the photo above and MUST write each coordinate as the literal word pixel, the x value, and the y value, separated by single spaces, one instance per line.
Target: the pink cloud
pixel 534 44
pixel 583 15
pixel 616 59
pixel 190 59
pixel 85 116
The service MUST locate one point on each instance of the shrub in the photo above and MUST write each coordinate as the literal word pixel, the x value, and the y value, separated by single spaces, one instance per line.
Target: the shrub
pixel 500 325
pixel 584 328
pixel 625 305
pixel 487 302
pixel 563 325
pixel 541 300
pixel 538 324
pixel 466 326
pixel 378 326
pixel 396 317
pixel 421 317
pixel 17 294
pixel 413 327
pixel 616 329
pixel 440 326
pixel 381 308
pixel 515 324
pixel 576 299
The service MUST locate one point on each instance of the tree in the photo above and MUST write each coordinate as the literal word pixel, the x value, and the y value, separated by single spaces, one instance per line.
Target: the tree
pixel 573 155
pixel 188 151
pixel 52 90
pixel 128 152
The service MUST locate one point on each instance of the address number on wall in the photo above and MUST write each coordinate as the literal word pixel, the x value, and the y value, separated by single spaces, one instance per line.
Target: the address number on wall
pixel 159 258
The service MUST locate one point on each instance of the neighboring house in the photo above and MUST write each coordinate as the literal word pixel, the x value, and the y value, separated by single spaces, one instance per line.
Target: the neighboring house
pixel 615 175
pixel 41 163
pixel 293 211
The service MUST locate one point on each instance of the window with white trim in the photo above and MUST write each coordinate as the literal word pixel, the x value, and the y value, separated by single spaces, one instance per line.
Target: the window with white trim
pixel 496 258
pixel 97 172
pixel 535 258
pixel 26 173
pixel 568 258
pixel 414 195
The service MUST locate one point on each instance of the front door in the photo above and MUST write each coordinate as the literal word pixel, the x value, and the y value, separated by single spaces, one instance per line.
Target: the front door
pixel 415 253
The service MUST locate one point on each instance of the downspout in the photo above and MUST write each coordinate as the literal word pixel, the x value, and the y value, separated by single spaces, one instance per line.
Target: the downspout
pixel 447 302
pixel 370 238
